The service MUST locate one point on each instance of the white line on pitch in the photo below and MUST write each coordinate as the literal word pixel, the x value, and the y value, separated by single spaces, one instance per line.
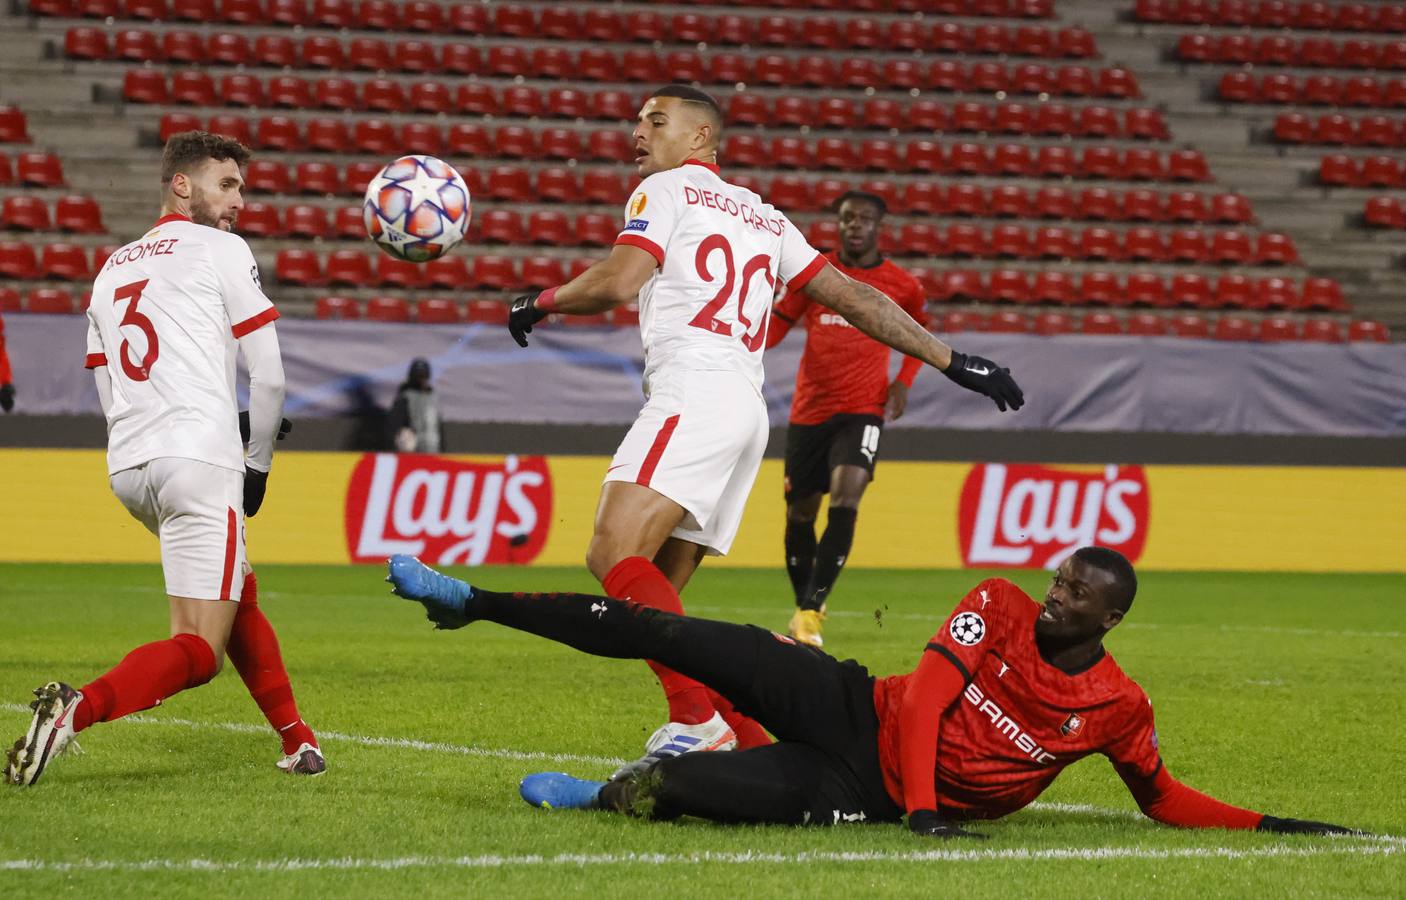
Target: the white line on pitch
pixel 581 860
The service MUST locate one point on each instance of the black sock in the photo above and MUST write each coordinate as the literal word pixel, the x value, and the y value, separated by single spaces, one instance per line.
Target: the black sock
pixel 800 555
pixel 830 555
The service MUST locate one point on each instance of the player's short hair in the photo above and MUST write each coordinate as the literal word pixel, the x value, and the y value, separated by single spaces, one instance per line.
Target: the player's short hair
pixel 864 196
pixel 192 148
pixel 1124 586
pixel 690 94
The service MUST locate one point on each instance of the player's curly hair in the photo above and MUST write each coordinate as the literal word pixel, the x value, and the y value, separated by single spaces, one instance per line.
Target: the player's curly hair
pixel 191 148
pixel 1117 566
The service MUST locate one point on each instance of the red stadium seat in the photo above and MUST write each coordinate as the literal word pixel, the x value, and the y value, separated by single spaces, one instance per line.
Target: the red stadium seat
pixel 1010 242
pixel 1189 326
pixel 86 43
pixel 1275 293
pixel 387 309
pixel 1099 204
pixel 52 301
pixel 1144 244
pixel 542 272
pixel 1380 171
pixel 1234 328
pixel 144 86
pixel 337 308
pixel 376 136
pixel 501 226
pixel 1323 294
pixel 279 133
pixel 796 111
pixel 1054 242
pixel 24 214
pixel 1145 289
pixel 1339 170
pixel 1368 331
pixel 1054 286
pixel 38 169
pixel 1007 322
pixel 261 220
pixel 450 271
pixel 515 142
pixel 614 145
pixel 305 221
pixel 1008 200
pixel 1100 243
pixel 137 46
pixel 266 176
pixel 1274 248
pixel 598 186
pixel 1234 292
pixel 1324 331
pixel 421 137
pixel 1190 289
pixel 66 262
pixel 550 227
pixel 300 267
pixel 1053 202
pixel 233 126
pixel 496 272
pixel 1231 247
pixel 14 128
pixel 437 311
pixel 1146 325
pixel 18 261
pixel 1384 212
pixel 1100 323
pixel 357 177
pixel 1275 330
pixel 1100 161
pixel 350 267
pixel 79 215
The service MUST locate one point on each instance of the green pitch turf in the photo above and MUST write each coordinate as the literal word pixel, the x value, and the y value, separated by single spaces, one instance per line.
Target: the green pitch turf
pixel 1282 693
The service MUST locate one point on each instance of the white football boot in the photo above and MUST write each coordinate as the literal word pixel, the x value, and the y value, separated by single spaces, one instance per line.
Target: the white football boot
pixel 676 739
pixel 50 734
pixel 306 760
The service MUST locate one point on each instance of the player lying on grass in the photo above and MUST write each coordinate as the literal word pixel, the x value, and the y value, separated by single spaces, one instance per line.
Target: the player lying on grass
pixel 1007 694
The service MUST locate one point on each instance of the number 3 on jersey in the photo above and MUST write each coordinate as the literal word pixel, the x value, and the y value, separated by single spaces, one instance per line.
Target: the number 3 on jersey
pixel 141 370
pixel 707 317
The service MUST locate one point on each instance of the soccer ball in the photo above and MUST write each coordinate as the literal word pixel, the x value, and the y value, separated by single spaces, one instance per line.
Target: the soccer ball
pixel 416 208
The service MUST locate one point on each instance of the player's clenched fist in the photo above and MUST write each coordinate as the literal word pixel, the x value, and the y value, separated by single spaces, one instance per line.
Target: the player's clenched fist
pixel 523 315
pixel 977 373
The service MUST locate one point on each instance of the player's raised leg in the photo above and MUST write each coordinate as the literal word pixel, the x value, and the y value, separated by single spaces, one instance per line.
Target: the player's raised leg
pixel 801 512
pixel 253 648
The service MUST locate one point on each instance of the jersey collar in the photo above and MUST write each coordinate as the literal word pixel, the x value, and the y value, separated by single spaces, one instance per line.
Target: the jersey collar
pixel 711 167
pixel 173 217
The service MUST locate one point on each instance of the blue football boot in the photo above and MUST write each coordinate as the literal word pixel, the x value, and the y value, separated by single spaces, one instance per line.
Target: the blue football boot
pixel 445 599
pixel 557 790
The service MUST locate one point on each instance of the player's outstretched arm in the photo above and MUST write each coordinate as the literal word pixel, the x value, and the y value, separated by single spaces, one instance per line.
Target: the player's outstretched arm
pixel 266 388
pixel 613 281
pixel 1164 799
pixel 875 314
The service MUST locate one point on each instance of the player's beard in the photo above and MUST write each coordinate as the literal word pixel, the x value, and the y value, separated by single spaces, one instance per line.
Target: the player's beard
pixel 203 213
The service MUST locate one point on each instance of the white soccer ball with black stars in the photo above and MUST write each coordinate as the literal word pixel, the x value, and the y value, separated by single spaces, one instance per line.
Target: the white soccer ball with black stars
pixel 417 208
pixel 968 629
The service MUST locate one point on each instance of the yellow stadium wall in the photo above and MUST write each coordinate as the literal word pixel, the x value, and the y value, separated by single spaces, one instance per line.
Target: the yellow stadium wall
pixel 55 506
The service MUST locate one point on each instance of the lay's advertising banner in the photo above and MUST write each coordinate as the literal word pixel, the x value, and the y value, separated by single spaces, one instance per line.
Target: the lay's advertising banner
pixel 55 506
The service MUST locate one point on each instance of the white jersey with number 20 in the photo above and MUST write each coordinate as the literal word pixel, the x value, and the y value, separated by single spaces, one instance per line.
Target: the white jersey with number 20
pixel 165 315
pixel 720 249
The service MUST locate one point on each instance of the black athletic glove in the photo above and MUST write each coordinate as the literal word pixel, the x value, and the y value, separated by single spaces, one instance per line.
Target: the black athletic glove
pixel 977 373
pixel 929 824
pixel 7 397
pixel 283 427
pixel 523 315
pixel 255 483
pixel 1303 826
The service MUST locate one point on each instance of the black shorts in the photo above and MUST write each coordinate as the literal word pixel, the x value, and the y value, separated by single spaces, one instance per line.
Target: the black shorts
pixel 813 451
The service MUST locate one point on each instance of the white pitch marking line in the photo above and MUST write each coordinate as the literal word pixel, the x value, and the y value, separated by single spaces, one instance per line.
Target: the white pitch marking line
pixel 582 860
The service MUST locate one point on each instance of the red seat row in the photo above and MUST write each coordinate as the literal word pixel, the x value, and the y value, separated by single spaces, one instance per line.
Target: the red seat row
pixel 1338 170
pixel 1188 289
pixel 1334 128
pixel 80 215
pixel 68 262
pixel 1307 14
pixel 440 311
pixel 1226 328
pixel 1278 50
pixel 354 268
pixel 561 22
pixel 14 129
pixel 33 169
pixel 54 301
pixel 198 88
pixel 1317 90
pixel 640 65
pixel 1140 244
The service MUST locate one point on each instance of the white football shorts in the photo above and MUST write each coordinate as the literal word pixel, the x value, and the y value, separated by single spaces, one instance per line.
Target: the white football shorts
pixel 698 441
pixel 197 510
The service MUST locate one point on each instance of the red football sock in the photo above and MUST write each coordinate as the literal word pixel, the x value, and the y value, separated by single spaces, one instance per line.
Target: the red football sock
pixel 638 580
pixel 145 677
pixel 749 733
pixel 253 648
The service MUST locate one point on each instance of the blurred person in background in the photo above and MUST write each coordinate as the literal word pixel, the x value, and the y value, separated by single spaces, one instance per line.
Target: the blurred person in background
pixel 7 378
pixel 414 418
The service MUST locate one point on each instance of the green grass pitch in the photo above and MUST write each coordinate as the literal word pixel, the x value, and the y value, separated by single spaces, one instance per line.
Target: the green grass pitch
pixel 1278 692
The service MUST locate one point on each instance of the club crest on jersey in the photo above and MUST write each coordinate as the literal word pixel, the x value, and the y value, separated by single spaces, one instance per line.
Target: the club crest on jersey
pixel 1072 725
pixel 637 225
pixel 637 205
pixel 968 629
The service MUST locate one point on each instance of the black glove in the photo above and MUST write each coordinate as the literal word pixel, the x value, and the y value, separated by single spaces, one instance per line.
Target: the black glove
pixel 283 427
pixel 1303 826
pixel 522 316
pixel 255 483
pixel 929 824
pixel 7 397
pixel 977 373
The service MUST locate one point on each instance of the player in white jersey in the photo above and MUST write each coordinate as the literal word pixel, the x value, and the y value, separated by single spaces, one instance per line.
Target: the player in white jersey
pixel 167 314
pixel 702 257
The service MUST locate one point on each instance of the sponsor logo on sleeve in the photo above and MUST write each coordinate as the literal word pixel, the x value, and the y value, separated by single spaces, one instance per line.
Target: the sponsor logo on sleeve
pixel 637 205
pixel 1072 725
pixel 968 629
pixel 448 511
pixel 637 225
pixel 1016 516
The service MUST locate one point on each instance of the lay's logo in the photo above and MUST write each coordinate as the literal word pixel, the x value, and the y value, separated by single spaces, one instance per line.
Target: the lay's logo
pixel 1029 515
pixel 637 205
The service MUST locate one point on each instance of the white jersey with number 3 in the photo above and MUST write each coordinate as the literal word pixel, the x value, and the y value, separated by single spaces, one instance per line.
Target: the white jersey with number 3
pixel 164 318
pixel 720 250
